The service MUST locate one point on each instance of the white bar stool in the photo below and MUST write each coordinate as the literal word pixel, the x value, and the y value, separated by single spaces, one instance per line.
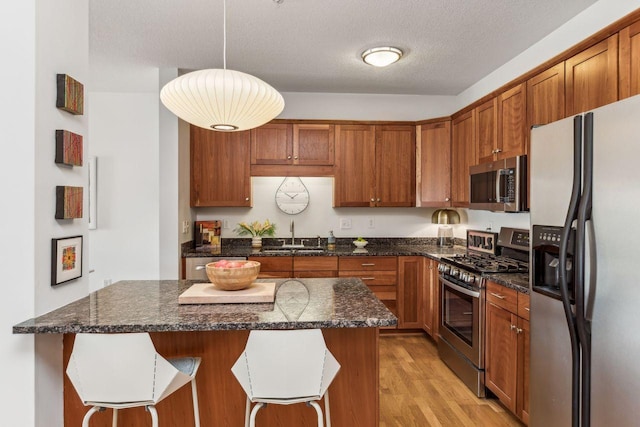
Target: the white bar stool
pixel 286 367
pixel 121 371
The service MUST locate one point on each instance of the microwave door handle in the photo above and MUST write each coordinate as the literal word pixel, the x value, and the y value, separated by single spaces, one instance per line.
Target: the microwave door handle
pixel 499 174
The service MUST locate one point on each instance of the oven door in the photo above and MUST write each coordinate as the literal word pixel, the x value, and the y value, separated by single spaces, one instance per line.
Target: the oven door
pixel 462 320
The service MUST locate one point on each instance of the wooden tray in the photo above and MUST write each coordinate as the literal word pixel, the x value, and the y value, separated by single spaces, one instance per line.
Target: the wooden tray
pixel 206 293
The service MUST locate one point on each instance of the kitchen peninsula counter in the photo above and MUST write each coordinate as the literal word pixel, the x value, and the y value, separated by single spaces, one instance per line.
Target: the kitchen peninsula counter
pixel 348 313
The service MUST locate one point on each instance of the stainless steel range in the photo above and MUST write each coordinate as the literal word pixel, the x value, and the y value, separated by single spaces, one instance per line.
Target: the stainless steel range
pixel 462 309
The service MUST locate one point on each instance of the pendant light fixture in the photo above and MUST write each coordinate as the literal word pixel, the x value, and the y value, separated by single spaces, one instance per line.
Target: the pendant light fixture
pixel 221 99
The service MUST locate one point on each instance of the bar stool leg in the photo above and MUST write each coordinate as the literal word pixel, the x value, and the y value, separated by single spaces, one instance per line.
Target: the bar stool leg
pixel 196 409
pixel 327 411
pixel 254 412
pixel 154 415
pixel 85 420
pixel 318 411
pixel 114 419
pixel 247 412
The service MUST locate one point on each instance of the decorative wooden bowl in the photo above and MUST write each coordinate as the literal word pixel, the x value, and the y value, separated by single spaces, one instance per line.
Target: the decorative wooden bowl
pixel 233 279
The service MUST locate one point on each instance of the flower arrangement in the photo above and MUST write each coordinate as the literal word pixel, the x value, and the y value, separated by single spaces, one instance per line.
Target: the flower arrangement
pixel 256 229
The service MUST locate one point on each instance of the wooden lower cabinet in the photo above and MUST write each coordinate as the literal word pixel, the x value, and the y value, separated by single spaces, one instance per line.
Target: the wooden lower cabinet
pixel 297 266
pixel 507 348
pixel 410 278
pixel 379 273
pixel 430 298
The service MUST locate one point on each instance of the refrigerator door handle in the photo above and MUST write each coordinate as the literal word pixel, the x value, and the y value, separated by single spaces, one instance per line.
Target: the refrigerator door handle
pixel 584 215
pixel 572 213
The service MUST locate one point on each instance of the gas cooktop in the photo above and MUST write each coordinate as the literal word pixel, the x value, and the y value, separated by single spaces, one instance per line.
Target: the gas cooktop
pixel 486 263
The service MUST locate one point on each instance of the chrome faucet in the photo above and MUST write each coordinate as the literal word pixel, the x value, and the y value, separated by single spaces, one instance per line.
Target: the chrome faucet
pixel 292 229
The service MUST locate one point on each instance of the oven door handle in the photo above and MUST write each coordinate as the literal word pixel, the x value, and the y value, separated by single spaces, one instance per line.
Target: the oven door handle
pixel 461 289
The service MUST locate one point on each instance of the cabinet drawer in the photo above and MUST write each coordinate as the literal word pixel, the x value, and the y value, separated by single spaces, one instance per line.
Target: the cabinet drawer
pixel 372 277
pixel 315 274
pixel 368 263
pixel 523 305
pixel 384 292
pixel 502 296
pixel 275 263
pixel 315 263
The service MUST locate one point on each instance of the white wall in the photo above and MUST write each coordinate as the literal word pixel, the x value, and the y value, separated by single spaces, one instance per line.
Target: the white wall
pixel 17 216
pixel 125 140
pixel 583 25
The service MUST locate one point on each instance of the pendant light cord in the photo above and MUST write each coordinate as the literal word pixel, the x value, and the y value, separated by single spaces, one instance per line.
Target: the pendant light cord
pixel 224 37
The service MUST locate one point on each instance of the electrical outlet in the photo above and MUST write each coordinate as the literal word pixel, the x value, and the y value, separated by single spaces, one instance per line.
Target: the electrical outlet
pixel 225 224
pixel 186 224
pixel 345 223
pixel 371 223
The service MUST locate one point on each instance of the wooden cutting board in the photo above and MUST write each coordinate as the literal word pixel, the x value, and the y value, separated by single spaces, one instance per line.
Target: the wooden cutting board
pixel 206 293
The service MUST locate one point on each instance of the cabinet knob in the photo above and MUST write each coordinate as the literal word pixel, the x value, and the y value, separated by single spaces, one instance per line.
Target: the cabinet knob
pixel 378 199
pixel 288 157
pixel 513 327
pixel 373 200
pixel 246 199
pixel 518 330
pixel 446 199
pixel 296 157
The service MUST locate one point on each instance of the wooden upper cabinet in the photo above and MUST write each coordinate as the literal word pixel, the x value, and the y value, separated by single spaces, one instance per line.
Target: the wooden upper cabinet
pixel 395 166
pixel 355 165
pixel 512 122
pixel 629 60
pixel 220 168
pixel 313 144
pixel 272 144
pixel 433 164
pixel 592 77
pixel 463 150
pixel 293 144
pixel 545 97
pixel 486 130
pixel 375 166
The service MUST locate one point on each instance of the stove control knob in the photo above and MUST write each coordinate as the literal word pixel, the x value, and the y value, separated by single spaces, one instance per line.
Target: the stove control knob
pixel 454 272
pixel 470 279
pixel 444 268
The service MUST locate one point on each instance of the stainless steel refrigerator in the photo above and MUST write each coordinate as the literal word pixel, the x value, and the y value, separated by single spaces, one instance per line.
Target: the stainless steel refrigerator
pixel 585 216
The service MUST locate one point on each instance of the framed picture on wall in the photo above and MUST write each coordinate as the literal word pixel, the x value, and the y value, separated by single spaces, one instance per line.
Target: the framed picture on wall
pixel 68 202
pixel 66 259
pixel 68 148
pixel 70 94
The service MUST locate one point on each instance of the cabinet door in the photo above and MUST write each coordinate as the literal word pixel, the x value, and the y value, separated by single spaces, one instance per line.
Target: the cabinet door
pixel 429 302
pixel 629 61
pixel 313 144
pixel 501 354
pixel 462 157
pixel 433 152
pixel 592 77
pixel 220 168
pixel 272 144
pixel 545 96
pixel 395 166
pixel 410 278
pixel 487 131
pixel 522 409
pixel 355 165
pixel 512 122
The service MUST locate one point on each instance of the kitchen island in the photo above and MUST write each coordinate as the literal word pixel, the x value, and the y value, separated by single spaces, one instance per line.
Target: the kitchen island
pixel 348 313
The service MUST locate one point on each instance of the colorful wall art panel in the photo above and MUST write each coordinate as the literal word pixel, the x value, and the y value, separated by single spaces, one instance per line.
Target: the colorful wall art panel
pixel 68 202
pixel 66 259
pixel 68 148
pixel 70 96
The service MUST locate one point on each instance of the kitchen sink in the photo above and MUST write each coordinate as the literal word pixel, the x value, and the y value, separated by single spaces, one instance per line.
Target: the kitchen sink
pixel 302 250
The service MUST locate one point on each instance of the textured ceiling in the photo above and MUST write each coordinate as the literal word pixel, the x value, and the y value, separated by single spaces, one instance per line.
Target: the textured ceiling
pixel 315 45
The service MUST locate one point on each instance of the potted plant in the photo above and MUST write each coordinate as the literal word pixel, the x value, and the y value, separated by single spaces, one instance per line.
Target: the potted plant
pixel 256 230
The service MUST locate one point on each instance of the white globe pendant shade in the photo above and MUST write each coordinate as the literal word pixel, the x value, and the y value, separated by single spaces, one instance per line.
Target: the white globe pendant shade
pixel 222 99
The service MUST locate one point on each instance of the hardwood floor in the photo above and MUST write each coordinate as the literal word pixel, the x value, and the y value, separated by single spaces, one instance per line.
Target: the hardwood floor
pixel 417 389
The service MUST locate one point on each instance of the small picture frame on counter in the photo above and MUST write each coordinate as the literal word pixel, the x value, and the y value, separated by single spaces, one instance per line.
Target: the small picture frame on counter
pixel 207 235
pixel 66 259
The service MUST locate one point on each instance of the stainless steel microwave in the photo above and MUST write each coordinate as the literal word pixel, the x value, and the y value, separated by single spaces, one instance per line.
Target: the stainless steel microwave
pixel 499 186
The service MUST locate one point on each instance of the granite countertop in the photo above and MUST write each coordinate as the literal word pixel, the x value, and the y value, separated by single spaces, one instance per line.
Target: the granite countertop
pixel 152 306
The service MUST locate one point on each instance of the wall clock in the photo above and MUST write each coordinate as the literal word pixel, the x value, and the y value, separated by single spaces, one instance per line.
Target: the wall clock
pixel 292 197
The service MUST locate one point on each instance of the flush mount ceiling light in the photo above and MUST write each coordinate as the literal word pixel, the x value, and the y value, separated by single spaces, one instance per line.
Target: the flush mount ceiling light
pixel 381 56
pixel 221 99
